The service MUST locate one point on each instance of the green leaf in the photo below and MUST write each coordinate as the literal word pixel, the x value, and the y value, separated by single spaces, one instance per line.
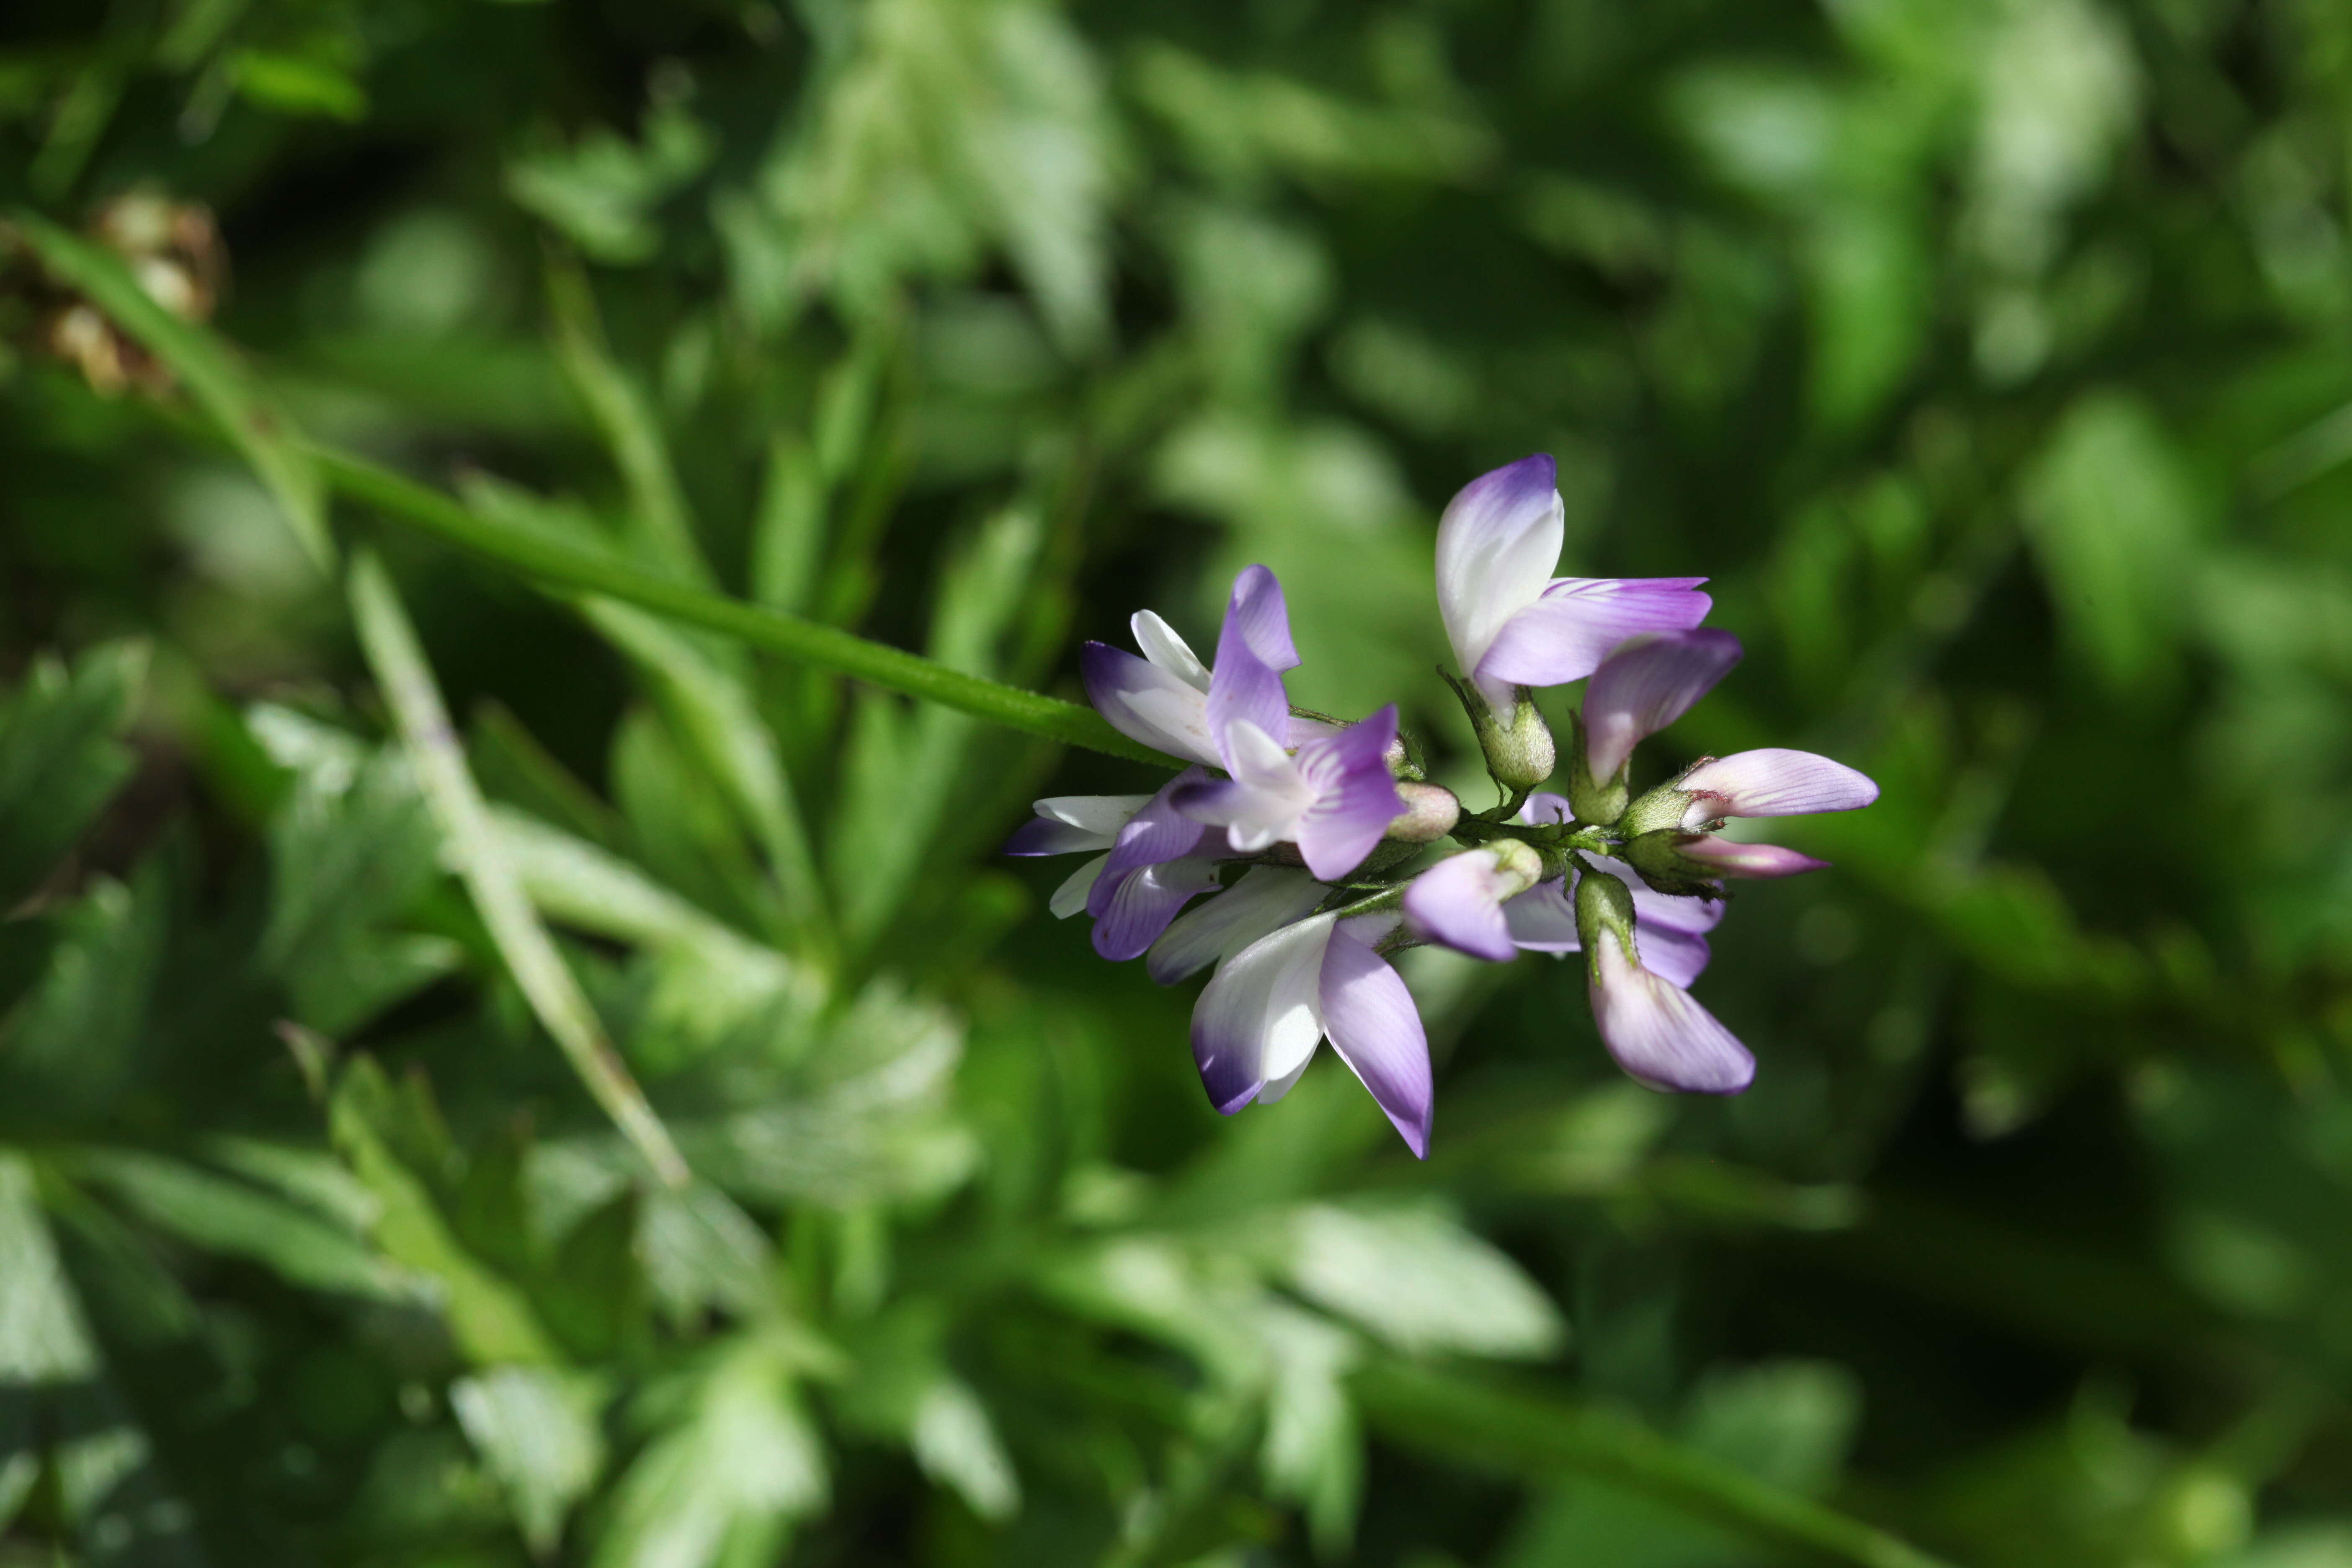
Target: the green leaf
pixel 726 1483
pixel 2115 525
pixel 490 1318
pixel 78 1041
pixel 955 1443
pixel 61 757
pixel 230 1217
pixel 601 191
pixel 905 775
pixel 237 403
pixel 1418 1280
pixel 43 1339
pixel 537 1431
pixel 351 847
pixel 301 85
pixel 713 712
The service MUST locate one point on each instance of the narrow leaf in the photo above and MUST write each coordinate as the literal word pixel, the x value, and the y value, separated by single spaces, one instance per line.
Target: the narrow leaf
pixel 553 993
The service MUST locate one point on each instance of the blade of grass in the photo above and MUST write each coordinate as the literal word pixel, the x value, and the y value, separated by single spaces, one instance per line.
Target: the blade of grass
pixel 826 647
pixel 1455 1420
pixel 554 994
pixel 205 367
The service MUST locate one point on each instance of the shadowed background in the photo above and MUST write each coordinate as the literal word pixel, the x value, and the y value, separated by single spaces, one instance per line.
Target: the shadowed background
pixel 1990 358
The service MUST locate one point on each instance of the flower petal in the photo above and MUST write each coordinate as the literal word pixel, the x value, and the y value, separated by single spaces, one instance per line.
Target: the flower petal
pixel 1579 622
pixel 1545 808
pixel 1355 795
pixel 1659 1034
pixel 1103 814
pixel 1145 703
pixel 1159 831
pixel 1132 907
pixel 1541 920
pixel 1773 783
pixel 1071 895
pixel 1669 910
pixel 1377 1031
pixel 1729 857
pixel 1677 957
pixel 1497 546
pixel 1246 687
pixel 1264 801
pixel 1259 614
pixel 1170 652
pixel 1457 902
pixel 1260 1017
pixel 1647 684
pixel 1044 836
pixel 1266 899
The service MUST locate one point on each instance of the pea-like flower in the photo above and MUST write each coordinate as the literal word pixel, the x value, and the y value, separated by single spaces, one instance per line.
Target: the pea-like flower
pixel 1290 781
pixel 1171 701
pixel 1652 1026
pixel 1260 1019
pixel 1511 622
pixel 1155 862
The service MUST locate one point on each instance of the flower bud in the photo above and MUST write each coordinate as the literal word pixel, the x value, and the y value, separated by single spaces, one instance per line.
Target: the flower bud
pixel 1658 856
pixel 1592 800
pixel 1520 754
pixel 1430 813
pixel 1604 910
pixel 1518 867
pixel 1668 808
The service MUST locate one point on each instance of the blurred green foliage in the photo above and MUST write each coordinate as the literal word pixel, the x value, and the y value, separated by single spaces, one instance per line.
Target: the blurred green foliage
pixel 1991 355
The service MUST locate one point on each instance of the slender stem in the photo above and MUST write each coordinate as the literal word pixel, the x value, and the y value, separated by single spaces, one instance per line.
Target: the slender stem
pixel 845 653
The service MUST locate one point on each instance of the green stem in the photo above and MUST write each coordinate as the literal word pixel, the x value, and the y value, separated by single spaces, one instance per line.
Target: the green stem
pixel 1454 1419
pixel 845 653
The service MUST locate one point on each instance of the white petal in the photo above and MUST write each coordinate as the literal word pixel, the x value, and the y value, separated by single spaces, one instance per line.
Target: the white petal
pixel 1070 898
pixel 1774 781
pixel 1260 1018
pixel 1259 759
pixel 1103 814
pixel 1164 647
pixel 1497 546
pixel 1264 900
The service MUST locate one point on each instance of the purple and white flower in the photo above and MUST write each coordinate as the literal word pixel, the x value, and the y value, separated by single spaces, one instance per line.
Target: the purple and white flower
pixel 1259 1020
pixel 1656 1031
pixel 1459 902
pixel 1295 780
pixel 1511 622
pixel 1333 797
pixel 1157 861
pixel 1171 702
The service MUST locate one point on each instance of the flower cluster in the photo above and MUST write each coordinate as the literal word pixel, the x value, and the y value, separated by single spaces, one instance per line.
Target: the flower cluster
pixel 1315 835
